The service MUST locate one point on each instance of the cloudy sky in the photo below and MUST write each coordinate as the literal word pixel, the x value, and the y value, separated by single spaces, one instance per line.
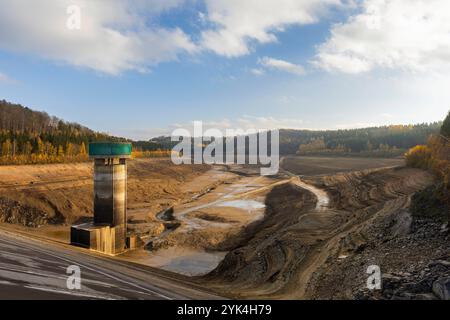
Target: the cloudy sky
pixel 139 68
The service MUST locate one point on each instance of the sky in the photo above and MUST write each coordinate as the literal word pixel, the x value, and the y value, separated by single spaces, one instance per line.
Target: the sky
pixel 141 68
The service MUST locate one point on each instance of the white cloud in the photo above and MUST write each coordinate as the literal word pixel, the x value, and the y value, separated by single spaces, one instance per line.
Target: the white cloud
pixel 238 23
pixel 357 125
pixel 257 72
pixel 409 35
pixel 387 115
pixel 121 35
pixel 115 35
pixel 281 65
pixel 140 134
pixel 245 122
pixel 248 122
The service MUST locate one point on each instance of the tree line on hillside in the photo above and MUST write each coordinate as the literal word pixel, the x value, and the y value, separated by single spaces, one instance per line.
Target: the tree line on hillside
pixel 28 136
pixel 31 137
pixel 385 141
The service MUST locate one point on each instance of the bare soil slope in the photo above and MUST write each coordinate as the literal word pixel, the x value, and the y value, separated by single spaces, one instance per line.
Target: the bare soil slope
pixel 36 195
pixel 293 252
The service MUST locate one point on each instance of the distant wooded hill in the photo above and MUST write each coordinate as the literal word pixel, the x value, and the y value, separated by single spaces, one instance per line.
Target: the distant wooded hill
pixel 28 136
pixel 387 141
pixel 383 141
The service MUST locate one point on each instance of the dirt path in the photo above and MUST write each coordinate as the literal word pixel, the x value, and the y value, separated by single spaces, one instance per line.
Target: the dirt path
pixel 323 199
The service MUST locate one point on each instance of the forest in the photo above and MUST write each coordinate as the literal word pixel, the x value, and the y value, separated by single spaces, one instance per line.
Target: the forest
pixel 386 141
pixel 29 137
pixel 34 137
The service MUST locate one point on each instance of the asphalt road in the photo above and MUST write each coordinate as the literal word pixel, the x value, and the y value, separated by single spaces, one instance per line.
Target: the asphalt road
pixel 37 269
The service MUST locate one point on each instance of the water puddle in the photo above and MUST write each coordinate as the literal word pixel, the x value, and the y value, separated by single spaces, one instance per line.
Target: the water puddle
pixel 185 261
pixel 248 205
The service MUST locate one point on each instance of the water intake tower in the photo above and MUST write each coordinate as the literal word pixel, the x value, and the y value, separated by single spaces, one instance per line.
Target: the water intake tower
pixel 108 232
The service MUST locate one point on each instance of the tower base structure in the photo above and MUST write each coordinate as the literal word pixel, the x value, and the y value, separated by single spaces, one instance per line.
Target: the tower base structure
pixel 104 239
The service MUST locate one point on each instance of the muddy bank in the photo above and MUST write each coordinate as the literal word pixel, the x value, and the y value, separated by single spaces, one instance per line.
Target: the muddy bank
pixel 412 253
pixel 262 255
pixel 290 253
pixel 206 226
pixel 312 166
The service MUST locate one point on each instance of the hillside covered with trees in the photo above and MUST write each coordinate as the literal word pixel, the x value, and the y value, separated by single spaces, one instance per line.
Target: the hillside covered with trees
pixel 32 137
pixel 28 136
pixel 386 141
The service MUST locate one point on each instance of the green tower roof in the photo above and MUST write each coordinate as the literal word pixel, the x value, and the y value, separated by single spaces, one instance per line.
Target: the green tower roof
pixel 109 150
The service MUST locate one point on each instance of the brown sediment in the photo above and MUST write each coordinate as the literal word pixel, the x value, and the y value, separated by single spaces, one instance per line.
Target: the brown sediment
pixel 62 194
pixel 314 239
pixel 291 252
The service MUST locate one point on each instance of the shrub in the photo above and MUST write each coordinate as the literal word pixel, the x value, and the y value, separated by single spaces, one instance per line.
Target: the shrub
pixel 432 202
pixel 419 157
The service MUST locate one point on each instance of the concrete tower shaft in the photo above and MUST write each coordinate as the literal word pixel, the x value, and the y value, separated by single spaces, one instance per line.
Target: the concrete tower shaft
pixel 110 191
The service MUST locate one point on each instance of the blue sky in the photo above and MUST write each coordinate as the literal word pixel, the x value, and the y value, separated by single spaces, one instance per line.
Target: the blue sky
pixel 139 69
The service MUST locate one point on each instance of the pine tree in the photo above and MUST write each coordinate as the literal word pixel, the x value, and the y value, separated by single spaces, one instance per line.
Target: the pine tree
pixel 445 129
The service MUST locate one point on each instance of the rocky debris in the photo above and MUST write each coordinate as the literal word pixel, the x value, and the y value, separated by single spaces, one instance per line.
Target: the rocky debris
pixel 430 283
pixel 441 288
pixel 149 229
pixel 326 255
pixel 12 211
pixel 427 277
pixel 413 256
